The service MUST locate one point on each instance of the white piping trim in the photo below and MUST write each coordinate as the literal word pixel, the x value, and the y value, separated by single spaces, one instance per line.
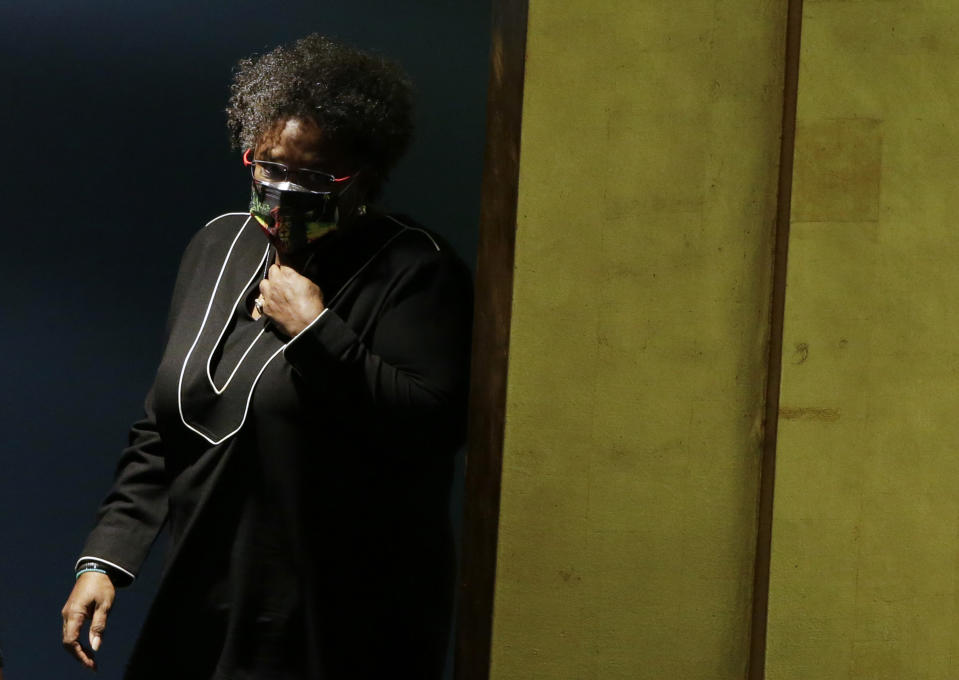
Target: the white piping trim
pixel 348 282
pixel 107 562
pixel 179 387
pixel 365 265
pixel 209 376
pixel 305 328
pixel 249 396
pixel 224 215
pixel 246 407
pixel 423 231
pixel 235 368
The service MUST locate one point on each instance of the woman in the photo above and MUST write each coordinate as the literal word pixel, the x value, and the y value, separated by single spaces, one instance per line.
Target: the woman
pixel 298 438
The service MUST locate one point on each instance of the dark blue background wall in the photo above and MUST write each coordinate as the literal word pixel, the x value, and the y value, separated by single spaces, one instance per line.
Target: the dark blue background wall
pixel 114 151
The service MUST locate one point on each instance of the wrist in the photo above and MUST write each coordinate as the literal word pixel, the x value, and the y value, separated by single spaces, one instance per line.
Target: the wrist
pixel 92 567
pixel 307 317
pixel 315 310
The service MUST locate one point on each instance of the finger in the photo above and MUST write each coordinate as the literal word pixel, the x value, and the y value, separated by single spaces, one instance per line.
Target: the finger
pixel 265 288
pixel 72 622
pixel 81 655
pixel 274 270
pixel 98 624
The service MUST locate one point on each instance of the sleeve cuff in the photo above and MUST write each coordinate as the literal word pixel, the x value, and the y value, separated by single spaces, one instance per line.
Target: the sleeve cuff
pixel 116 573
pixel 327 338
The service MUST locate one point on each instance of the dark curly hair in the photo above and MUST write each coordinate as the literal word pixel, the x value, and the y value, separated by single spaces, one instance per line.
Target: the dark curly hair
pixel 362 101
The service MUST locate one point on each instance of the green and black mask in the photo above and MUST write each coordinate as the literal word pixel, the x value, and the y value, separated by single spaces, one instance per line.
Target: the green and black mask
pixel 290 216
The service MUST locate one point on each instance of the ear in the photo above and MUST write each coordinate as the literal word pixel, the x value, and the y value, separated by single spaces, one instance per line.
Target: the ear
pixel 370 185
pixel 351 198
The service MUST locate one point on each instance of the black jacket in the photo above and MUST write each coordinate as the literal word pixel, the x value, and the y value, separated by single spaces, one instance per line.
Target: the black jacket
pixel 305 482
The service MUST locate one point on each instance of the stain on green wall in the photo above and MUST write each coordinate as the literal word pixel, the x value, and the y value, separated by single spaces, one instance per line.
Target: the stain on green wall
pixel 866 519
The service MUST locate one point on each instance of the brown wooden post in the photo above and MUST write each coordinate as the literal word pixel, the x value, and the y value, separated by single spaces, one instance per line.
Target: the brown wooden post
pixel 491 329
pixel 757 646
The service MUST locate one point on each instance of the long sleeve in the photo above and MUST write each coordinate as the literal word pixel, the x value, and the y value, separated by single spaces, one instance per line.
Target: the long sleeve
pixel 414 371
pixel 135 508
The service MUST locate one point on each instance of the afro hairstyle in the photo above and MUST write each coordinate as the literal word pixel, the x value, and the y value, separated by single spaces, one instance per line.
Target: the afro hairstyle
pixel 362 101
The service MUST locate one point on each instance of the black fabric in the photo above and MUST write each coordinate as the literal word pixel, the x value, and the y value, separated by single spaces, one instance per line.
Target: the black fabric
pixel 315 541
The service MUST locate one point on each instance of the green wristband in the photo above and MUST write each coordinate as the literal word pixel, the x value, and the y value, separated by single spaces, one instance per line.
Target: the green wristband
pixel 93 569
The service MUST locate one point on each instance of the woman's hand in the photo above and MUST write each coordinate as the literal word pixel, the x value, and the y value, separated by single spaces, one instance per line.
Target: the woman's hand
pixel 292 301
pixel 92 598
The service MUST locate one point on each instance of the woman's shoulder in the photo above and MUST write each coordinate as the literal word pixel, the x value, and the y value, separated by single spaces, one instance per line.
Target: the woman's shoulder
pixel 418 258
pixel 223 226
pixel 413 245
pixel 222 229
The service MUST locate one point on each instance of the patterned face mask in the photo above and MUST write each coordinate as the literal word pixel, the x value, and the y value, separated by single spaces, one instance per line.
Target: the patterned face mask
pixel 292 219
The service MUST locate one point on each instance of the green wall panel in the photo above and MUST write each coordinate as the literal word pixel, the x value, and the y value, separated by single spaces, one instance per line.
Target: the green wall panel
pixel 648 174
pixel 865 533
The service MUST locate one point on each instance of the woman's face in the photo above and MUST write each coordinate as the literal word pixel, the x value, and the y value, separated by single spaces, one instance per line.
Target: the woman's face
pixel 300 144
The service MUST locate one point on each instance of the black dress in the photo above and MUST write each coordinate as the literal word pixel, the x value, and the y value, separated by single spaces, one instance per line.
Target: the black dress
pixel 305 482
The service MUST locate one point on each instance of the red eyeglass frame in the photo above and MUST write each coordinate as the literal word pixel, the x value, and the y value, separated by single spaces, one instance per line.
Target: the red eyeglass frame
pixel 247 162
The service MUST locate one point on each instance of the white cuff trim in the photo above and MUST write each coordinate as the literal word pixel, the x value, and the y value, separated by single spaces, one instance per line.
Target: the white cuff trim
pixel 107 562
pixel 305 329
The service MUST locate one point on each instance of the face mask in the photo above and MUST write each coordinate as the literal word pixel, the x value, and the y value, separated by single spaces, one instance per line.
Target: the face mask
pixel 290 218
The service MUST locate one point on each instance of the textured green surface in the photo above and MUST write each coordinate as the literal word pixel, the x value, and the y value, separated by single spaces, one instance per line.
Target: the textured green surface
pixel 638 352
pixel 865 536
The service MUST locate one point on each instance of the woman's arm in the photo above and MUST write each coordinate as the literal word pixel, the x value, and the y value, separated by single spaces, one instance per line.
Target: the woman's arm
pixel 127 524
pixel 416 365
pixel 135 508
pixel 131 515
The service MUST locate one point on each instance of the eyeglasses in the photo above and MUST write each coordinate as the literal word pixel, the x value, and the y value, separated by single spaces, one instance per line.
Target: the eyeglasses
pixel 311 180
